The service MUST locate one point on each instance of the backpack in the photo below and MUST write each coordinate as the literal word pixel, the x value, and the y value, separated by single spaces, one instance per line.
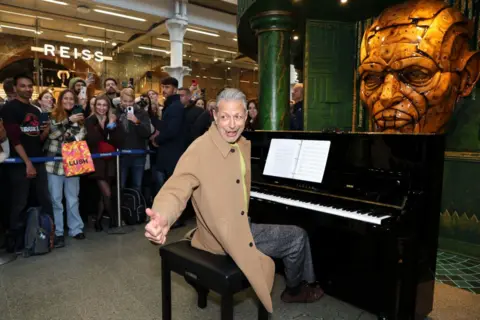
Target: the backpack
pixel 133 207
pixel 39 233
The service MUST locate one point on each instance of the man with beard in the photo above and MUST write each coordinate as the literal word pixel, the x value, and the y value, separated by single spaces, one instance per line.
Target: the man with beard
pixel 111 90
pixel 197 120
pixel 21 120
pixel 415 66
pixel 215 172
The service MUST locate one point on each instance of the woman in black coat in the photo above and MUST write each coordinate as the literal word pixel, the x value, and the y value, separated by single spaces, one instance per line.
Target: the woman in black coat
pixel 102 137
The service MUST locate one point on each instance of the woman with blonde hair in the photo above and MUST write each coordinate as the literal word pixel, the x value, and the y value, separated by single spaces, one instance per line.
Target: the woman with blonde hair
pixel 66 125
pixel 103 137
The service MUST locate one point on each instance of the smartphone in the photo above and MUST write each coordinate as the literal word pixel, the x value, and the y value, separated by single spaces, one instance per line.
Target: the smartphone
pixel 130 83
pixel 44 117
pixel 91 78
pixel 83 93
pixel 130 110
pixel 77 109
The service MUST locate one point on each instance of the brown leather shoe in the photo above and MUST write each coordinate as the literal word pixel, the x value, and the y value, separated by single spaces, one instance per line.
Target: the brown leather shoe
pixel 308 293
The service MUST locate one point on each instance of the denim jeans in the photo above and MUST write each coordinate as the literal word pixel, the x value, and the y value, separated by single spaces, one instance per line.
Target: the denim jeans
pixel 160 179
pixel 134 165
pixel 57 185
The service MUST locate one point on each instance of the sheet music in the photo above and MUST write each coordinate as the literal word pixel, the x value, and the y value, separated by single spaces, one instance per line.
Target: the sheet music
pixel 312 161
pixel 282 158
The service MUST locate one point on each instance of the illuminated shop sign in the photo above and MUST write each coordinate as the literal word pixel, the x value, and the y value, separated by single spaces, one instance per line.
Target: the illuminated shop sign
pixel 71 53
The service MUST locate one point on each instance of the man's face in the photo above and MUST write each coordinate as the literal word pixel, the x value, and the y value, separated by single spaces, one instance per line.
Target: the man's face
pixel 78 86
pixel 410 78
pixel 24 88
pixel 110 87
pixel 184 97
pixel 168 90
pixel 230 119
pixel 297 93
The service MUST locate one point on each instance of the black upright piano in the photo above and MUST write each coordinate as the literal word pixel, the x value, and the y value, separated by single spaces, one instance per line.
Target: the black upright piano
pixel 372 220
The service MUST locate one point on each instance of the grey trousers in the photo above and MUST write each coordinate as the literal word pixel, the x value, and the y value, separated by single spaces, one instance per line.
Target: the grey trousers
pixel 291 244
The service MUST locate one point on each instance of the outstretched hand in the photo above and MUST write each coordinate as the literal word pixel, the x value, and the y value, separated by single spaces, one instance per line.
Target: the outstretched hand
pixel 156 230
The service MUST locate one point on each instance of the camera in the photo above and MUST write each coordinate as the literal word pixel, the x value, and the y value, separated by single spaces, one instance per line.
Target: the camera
pixel 143 102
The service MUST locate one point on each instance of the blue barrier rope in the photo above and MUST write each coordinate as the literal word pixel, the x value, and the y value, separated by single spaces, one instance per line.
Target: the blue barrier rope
pixel 94 156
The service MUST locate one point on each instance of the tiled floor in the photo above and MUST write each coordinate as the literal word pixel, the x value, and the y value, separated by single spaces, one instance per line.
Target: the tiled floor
pixel 112 277
pixel 459 271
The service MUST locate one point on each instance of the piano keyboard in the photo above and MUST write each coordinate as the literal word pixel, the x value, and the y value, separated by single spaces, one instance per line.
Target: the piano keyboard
pixel 365 217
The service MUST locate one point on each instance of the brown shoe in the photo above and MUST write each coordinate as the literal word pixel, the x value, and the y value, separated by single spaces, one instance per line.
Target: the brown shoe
pixel 308 293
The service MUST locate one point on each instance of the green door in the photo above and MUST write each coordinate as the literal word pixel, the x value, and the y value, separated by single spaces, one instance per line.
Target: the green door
pixel 329 74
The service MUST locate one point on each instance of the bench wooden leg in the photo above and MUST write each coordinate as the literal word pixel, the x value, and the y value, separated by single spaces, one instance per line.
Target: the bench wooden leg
pixel 262 312
pixel 166 292
pixel 227 307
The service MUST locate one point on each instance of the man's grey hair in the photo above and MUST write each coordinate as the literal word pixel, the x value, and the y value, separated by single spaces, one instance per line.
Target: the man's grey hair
pixel 231 94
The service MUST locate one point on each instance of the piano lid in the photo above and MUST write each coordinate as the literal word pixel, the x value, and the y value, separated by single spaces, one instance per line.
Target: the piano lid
pixel 381 168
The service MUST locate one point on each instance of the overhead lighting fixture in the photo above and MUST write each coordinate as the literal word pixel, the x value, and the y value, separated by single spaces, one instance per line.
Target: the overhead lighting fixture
pixel 343 1
pixel 56 2
pixel 221 50
pixel 204 32
pixel 235 39
pixel 21 29
pixel 154 49
pixel 244 81
pixel 25 15
pixel 100 28
pixel 295 37
pixel 114 44
pixel 85 39
pixel 216 78
pixel 166 40
pixel 119 15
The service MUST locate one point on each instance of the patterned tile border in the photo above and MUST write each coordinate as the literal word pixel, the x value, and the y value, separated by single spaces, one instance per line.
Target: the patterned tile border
pixel 458 271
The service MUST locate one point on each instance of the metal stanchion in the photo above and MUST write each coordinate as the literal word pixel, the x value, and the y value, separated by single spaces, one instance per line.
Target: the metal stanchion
pixel 119 229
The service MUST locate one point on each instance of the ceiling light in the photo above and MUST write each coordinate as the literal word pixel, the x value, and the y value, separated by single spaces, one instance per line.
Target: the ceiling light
pixel 216 78
pixel 244 81
pixel 203 32
pixel 221 50
pixel 154 49
pixel 228 68
pixel 114 44
pixel 166 40
pixel 22 29
pixel 85 39
pixel 25 15
pixel 343 1
pixel 56 2
pixel 235 39
pixel 119 15
pixel 295 37
pixel 100 28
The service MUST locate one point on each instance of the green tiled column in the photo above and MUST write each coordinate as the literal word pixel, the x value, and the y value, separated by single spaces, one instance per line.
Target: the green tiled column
pixel 273 29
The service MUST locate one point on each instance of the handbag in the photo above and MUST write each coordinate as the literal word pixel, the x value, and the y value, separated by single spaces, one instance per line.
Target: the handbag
pixel 77 159
pixel 105 147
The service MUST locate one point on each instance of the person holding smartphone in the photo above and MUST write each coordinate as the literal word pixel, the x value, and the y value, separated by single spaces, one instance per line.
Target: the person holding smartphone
pixel 134 124
pixel 67 125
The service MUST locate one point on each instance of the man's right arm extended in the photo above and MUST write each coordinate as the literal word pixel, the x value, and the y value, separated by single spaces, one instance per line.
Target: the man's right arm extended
pixel 174 195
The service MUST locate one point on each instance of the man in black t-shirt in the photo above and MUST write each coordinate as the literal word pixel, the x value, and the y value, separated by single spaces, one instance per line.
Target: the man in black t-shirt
pixel 22 123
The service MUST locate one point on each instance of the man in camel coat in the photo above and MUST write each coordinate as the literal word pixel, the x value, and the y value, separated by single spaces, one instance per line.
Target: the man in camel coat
pixel 215 172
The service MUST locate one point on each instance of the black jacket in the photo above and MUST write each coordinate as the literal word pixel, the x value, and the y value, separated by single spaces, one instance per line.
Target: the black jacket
pixel 296 119
pixel 171 137
pixel 133 136
pixel 197 122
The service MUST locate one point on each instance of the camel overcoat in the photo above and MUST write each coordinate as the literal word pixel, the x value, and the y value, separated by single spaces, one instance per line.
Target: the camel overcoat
pixel 210 172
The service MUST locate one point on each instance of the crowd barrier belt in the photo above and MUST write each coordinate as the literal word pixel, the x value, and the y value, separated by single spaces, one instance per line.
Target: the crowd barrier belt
pixel 94 156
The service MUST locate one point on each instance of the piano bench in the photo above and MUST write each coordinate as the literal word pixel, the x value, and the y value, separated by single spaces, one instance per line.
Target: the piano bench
pixel 204 271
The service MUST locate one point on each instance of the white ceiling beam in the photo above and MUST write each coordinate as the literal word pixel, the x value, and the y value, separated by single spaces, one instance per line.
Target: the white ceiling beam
pixel 197 15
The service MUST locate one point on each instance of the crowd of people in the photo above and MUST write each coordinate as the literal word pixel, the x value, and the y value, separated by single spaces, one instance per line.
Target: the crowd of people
pixel 165 125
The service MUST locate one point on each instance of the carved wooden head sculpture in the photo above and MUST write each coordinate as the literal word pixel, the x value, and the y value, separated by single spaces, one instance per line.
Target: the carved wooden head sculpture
pixel 415 65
